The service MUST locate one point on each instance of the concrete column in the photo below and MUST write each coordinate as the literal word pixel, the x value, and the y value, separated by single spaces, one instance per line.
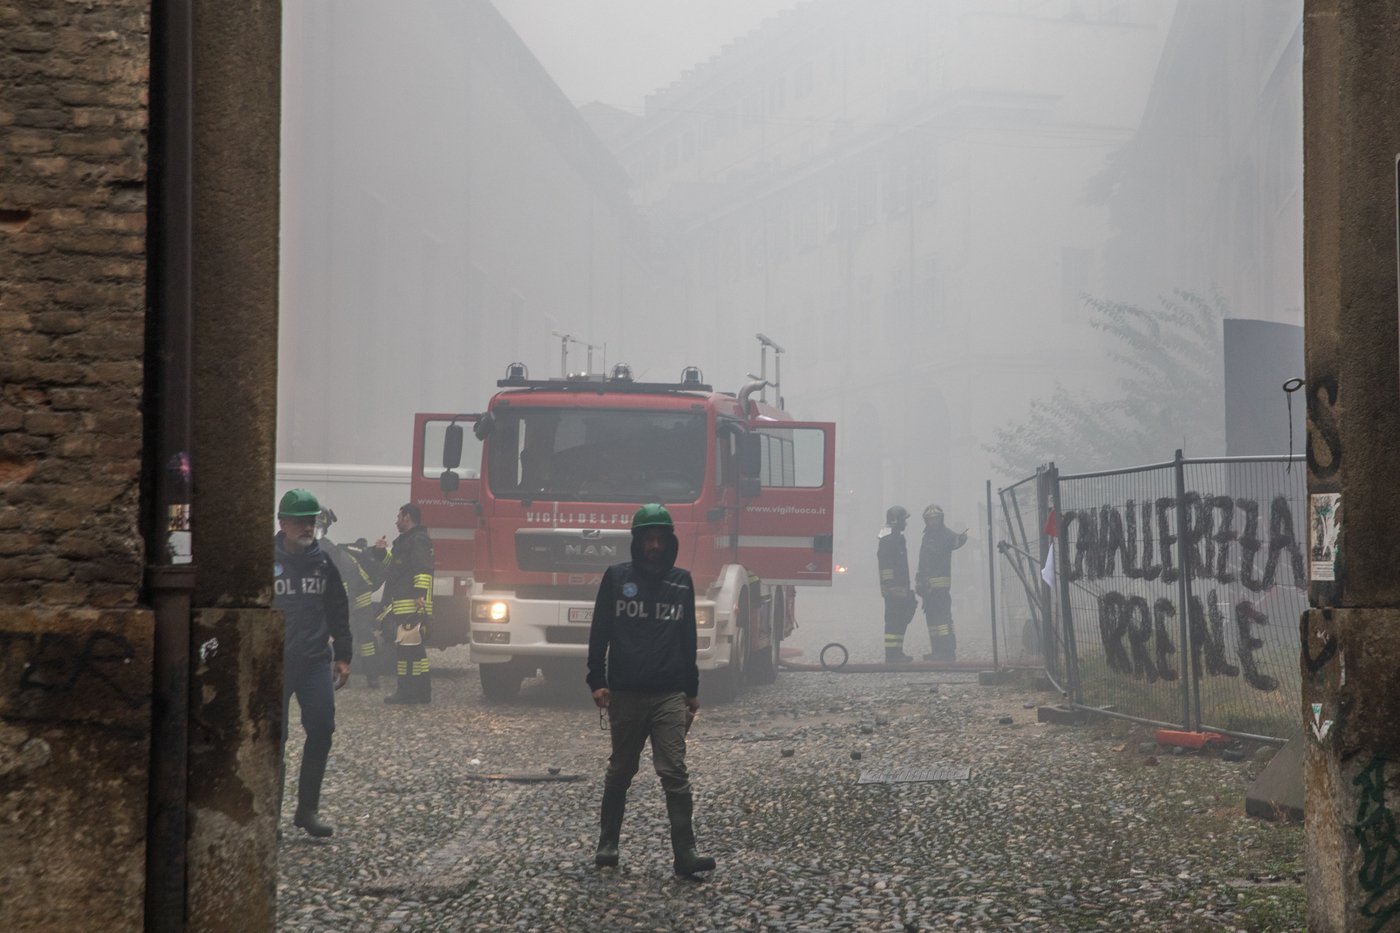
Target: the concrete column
pixel 236 637
pixel 1351 639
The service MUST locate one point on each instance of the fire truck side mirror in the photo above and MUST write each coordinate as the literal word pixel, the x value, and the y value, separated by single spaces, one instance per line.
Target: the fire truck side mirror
pixel 447 482
pixel 750 456
pixel 452 447
pixel 750 487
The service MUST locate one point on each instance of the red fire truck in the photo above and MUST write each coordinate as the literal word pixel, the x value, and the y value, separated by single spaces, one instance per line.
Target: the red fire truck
pixel 522 542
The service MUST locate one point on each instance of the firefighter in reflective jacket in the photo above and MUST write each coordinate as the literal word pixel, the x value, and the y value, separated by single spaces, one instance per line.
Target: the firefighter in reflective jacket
pixel 362 574
pixel 408 603
pixel 900 604
pixel 934 580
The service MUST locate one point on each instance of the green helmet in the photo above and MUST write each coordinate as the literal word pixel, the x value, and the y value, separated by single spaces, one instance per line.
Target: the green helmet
pixel 652 515
pixel 298 503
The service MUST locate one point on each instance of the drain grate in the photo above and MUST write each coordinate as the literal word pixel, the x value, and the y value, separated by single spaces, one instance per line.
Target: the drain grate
pixel 914 775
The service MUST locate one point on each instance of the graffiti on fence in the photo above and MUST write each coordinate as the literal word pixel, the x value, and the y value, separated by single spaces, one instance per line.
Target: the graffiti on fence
pixel 1375 830
pixel 1110 535
pixel 1140 538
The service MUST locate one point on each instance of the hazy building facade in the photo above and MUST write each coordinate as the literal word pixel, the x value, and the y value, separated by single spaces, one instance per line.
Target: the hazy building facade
pixel 1208 196
pixel 895 192
pixel 438 223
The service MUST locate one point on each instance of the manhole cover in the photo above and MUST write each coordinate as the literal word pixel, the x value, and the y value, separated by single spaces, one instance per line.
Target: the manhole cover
pixel 522 777
pixel 914 775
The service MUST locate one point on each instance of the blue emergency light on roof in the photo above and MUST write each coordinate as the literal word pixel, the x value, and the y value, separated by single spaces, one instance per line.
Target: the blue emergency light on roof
pixel 692 376
pixel 622 373
pixel 517 371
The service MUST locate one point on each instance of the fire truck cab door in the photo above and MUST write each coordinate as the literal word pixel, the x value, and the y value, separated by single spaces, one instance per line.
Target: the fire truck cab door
pixel 451 515
pixel 785 532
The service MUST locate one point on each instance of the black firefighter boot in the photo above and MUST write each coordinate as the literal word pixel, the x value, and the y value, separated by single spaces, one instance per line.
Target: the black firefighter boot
pixel 313 769
pixel 680 807
pixel 610 825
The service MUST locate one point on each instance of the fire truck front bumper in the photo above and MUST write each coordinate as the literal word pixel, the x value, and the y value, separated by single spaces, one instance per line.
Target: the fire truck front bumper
pixel 504 626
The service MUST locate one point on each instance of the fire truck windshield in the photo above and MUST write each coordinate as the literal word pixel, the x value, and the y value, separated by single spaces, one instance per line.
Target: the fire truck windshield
pixel 597 454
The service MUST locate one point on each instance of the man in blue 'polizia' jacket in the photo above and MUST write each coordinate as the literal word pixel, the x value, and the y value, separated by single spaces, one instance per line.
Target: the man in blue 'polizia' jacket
pixel 641 668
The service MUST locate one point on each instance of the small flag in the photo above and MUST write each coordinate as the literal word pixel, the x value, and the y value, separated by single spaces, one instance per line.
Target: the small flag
pixel 1052 527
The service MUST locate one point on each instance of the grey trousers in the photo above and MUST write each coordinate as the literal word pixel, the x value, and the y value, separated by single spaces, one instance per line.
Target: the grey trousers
pixel 633 717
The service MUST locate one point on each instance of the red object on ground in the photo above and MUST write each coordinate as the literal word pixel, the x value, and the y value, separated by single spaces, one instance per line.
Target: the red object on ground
pixel 1190 739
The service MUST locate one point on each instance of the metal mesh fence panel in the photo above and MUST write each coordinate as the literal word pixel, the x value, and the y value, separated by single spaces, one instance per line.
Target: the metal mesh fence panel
pixel 1246 526
pixel 1117 591
pixel 1027 631
pixel 1178 588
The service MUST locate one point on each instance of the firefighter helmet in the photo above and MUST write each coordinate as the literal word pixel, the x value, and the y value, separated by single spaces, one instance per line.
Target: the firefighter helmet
pixel 652 515
pixel 933 511
pixel 298 503
pixel 324 521
pixel 896 514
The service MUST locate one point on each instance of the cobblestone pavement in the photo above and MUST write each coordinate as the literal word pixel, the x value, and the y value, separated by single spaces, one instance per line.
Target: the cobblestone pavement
pixel 1058 828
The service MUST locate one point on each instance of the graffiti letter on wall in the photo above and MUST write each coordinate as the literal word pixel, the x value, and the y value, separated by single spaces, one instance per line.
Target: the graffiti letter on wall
pixel 1209 636
pixel 1161 610
pixel 1250 544
pixel 1247 617
pixel 1150 571
pixel 1226 506
pixel 1198 526
pixel 1165 539
pixel 1138 619
pixel 1281 538
pixel 1112 627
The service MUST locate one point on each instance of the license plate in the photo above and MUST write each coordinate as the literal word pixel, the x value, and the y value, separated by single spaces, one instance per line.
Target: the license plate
pixel 580 615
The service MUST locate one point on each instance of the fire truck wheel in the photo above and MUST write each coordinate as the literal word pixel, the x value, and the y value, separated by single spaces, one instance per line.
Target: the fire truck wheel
pixel 729 680
pixel 501 681
pixel 763 663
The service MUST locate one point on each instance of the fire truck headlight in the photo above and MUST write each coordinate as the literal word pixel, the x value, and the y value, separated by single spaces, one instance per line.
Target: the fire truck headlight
pixel 490 612
pixel 704 616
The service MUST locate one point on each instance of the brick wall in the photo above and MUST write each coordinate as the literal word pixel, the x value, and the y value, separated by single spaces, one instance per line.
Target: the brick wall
pixel 73 97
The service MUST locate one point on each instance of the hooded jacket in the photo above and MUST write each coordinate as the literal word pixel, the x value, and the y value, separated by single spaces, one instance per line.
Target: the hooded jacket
pixel 643 634
pixel 308 589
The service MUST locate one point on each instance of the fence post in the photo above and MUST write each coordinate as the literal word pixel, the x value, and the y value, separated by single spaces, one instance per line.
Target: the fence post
pixel 1050 641
pixel 1072 685
pixel 992 577
pixel 1183 589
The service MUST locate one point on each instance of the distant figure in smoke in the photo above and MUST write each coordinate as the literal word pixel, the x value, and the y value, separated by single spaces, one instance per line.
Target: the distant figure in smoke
pixel 934 581
pixel 307 589
pixel 408 603
pixel 362 575
pixel 900 604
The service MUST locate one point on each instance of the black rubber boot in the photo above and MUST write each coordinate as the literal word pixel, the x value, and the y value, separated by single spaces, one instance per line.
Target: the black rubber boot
pixel 313 770
pixel 680 807
pixel 895 656
pixel 610 826
pixel 372 681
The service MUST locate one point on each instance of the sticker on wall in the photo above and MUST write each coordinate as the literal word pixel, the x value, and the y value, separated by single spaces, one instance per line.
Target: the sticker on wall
pixel 1324 527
